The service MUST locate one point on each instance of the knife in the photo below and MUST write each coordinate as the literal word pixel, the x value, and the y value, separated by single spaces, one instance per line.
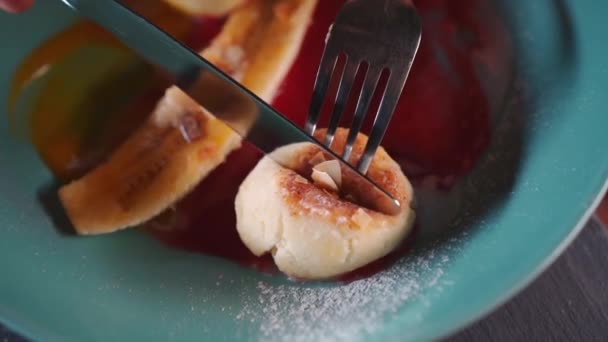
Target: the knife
pixel 246 113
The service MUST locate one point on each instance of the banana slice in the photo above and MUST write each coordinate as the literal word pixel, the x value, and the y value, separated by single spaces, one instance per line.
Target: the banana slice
pixel 181 142
pixel 205 7
pixel 311 230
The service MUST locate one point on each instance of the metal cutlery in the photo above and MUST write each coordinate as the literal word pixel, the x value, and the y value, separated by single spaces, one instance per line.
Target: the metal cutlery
pixel 384 34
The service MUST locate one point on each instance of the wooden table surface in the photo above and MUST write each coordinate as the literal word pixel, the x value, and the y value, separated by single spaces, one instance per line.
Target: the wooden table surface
pixel 568 302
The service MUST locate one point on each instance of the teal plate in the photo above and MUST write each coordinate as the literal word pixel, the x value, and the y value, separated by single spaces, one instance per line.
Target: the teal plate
pixel 524 202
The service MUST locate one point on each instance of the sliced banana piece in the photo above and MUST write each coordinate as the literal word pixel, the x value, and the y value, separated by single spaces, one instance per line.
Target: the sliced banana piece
pixel 181 142
pixel 205 7
pixel 312 231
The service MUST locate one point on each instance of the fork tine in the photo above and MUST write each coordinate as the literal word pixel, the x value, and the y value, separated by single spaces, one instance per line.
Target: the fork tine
pixel 326 69
pixel 346 83
pixel 369 86
pixel 390 98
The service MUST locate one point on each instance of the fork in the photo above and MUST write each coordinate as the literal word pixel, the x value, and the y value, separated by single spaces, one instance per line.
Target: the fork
pixel 384 34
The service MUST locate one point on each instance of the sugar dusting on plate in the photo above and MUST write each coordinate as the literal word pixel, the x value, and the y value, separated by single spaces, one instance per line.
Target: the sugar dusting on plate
pixel 303 311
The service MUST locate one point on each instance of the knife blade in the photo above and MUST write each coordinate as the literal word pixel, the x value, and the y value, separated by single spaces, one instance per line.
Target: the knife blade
pixel 245 112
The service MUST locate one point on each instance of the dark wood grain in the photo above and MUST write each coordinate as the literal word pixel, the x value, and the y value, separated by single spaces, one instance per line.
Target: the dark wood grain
pixel 8 336
pixel 569 302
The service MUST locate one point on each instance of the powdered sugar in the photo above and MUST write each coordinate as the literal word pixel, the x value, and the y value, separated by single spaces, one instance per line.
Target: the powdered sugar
pixel 301 311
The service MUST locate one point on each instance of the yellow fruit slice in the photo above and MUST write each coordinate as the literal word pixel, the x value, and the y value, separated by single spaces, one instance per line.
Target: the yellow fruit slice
pixel 181 142
pixel 205 7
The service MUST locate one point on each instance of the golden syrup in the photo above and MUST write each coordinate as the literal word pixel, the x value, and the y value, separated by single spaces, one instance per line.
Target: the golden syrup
pixel 91 91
